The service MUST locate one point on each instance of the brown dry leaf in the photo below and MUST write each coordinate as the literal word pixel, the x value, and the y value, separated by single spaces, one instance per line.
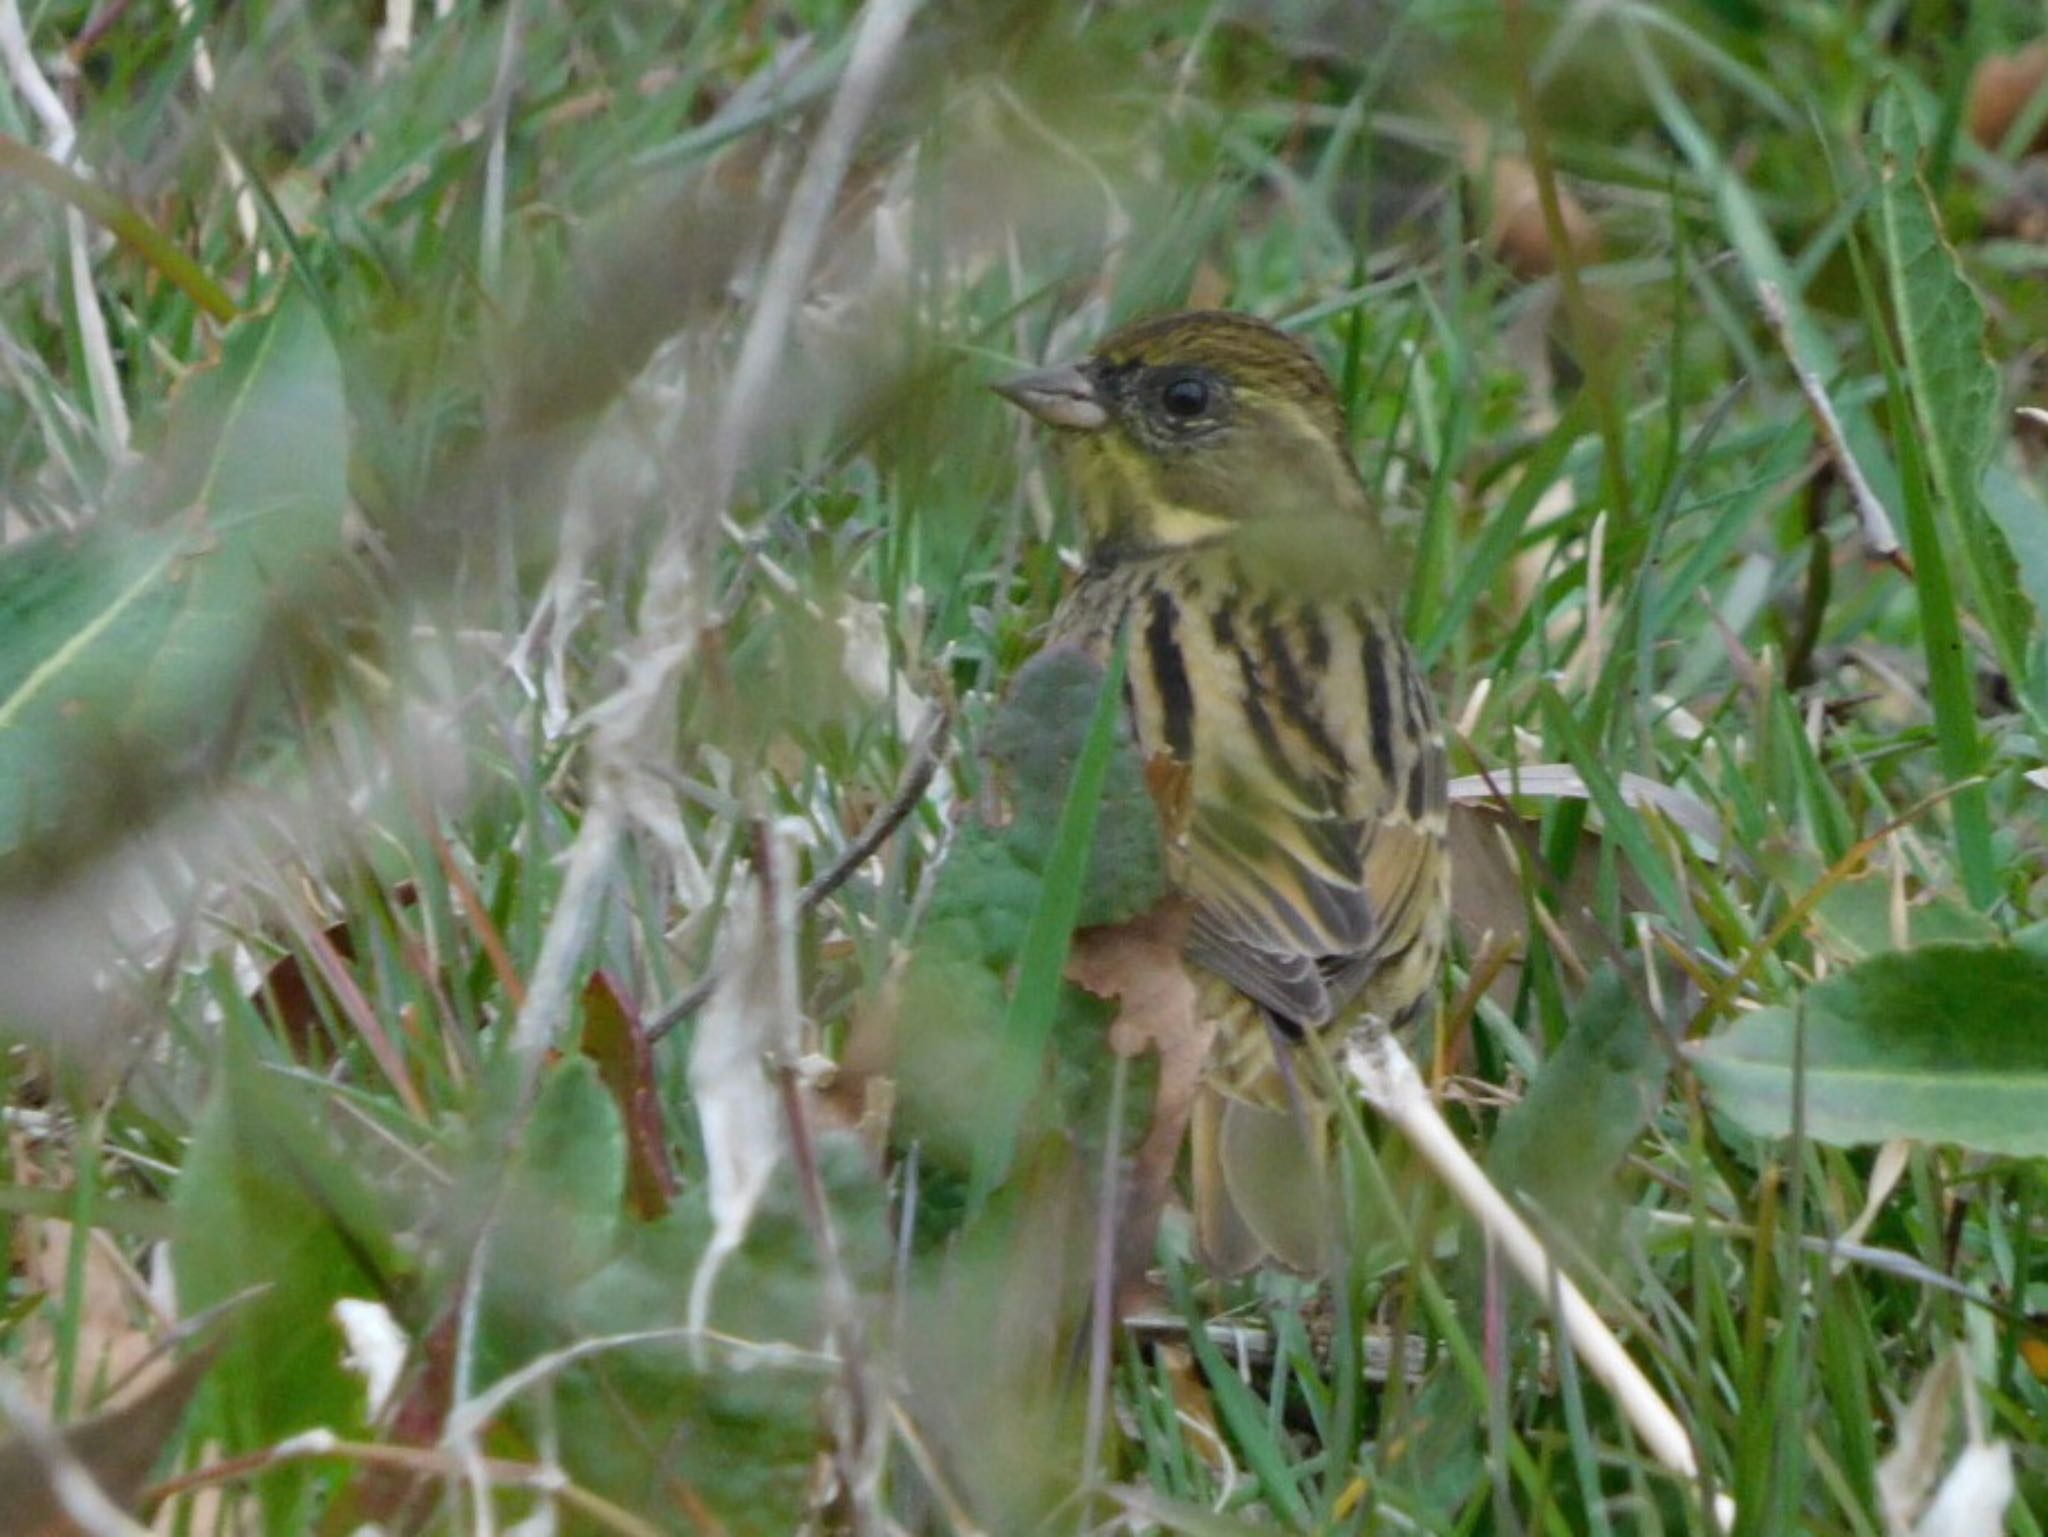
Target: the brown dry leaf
pixel 1171 784
pixel 1999 91
pixel 118 1449
pixel 112 1340
pixel 1487 895
pixel 1139 965
pixel 1518 232
pixel 615 1038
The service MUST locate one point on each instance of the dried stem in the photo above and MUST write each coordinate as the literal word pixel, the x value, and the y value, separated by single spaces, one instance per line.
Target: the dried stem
pixel 629 728
pixel 1878 535
pixel 1390 1083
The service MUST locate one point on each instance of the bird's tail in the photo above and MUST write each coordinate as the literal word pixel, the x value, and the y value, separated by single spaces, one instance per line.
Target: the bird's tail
pixel 1261 1181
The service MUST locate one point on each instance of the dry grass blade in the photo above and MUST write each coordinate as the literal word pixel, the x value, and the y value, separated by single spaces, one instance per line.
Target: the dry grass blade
pixel 1390 1083
pixel 1879 538
pixel 749 1029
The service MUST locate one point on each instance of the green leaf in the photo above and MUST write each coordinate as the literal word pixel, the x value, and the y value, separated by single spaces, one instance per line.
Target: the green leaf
pixel 128 649
pixel 266 1200
pixel 565 1198
pixel 2022 517
pixel 1039 740
pixel 1947 1043
pixel 742 1435
pixel 1941 321
pixel 1040 967
pixel 1585 1107
pixel 1954 391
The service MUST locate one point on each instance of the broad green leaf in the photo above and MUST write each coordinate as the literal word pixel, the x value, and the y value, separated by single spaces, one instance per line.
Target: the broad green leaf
pixel 742 1433
pixel 564 1197
pixel 129 648
pixel 266 1200
pixel 1953 390
pixel 1946 1043
pixel 1941 321
pixel 1585 1107
pixel 1955 385
pixel 1047 741
pixel 2022 517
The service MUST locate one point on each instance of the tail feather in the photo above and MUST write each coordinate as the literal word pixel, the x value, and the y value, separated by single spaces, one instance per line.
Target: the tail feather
pixel 1260 1185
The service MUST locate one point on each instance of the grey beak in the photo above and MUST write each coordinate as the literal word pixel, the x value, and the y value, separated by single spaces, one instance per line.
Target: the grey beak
pixel 1059 397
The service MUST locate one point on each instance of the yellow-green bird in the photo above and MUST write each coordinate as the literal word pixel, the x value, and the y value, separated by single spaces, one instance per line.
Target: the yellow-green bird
pixel 1232 541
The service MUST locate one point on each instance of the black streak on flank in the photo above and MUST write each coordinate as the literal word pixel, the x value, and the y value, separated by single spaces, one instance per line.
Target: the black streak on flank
pixel 1223 626
pixel 1170 677
pixel 1271 748
pixel 1297 697
pixel 1380 704
pixel 1315 636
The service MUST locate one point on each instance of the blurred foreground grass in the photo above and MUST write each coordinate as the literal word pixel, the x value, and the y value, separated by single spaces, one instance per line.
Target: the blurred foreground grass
pixel 468 564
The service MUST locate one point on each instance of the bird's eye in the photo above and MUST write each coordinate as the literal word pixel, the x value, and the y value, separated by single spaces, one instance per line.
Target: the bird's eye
pixel 1185 398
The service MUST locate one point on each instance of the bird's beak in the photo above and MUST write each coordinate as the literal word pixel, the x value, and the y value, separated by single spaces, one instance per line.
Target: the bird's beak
pixel 1059 397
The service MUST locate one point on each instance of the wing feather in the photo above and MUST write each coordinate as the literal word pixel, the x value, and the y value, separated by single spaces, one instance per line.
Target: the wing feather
pixel 1315 845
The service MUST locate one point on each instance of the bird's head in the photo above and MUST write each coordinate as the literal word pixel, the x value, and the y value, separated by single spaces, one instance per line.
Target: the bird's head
pixel 1182 429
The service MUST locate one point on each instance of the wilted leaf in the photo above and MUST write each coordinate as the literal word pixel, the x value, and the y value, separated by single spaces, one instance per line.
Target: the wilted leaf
pixel 1560 781
pixel 1947 1043
pixel 1972 1498
pixel 1490 896
pixel 1139 965
pixel 749 1024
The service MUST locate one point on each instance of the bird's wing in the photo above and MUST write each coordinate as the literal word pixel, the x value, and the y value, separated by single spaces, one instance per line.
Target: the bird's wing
pixel 1315 835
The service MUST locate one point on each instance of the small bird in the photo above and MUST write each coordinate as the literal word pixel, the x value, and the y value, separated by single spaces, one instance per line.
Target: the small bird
pixel 1233 547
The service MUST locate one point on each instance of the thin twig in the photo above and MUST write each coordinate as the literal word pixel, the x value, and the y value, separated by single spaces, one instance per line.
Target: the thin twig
pixel 1878 536
pixel 859 1439
pixel 498 113
pixel 878 34
pixel 926 754
pixel 316 1444
pixel 1102 1307
pixel 394 37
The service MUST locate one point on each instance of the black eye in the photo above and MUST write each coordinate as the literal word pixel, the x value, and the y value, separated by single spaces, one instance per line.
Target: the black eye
pixel 1185 398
